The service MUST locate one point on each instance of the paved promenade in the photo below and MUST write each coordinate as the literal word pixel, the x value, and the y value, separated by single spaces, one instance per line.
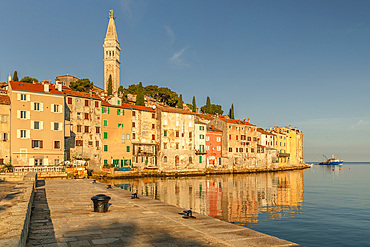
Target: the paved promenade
pixel 63 216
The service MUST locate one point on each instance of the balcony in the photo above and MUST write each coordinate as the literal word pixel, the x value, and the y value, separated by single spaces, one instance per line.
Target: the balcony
pixel 200 152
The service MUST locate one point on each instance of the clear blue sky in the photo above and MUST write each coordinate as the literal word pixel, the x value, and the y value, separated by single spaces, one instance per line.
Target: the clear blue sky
pixel 287 62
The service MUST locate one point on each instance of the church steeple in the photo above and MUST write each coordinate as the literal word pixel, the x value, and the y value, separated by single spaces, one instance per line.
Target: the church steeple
pixel 111 55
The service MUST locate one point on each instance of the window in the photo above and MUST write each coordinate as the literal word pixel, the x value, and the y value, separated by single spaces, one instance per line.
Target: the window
pixel 23 115
pixel 37 144
pixel 105 135
pixel 230 149
pixel 38 162
pixel 249 138
pixel 128 137
pixel 177 123
pixel 90 143
pixel 207 148
pixel 97 144
pixel 153 115
pixel 56 144
pixel 56 162
pixel 229 137
pixel 190 124
pixel 69 100
pixel 236 149
pixel 218 148
pixel 252 150
pixel 120 112
pixel 3 136
pixel 55 108
pixel 86 115
pixel 254 139
pixel 1 161
pixel 177 146
pixel 23 97
pixel 201 127
pixel 36 106
pixel 79 143
pixel 79 128
pixel 237 137
pixel 177 133
pixel 190 134
pixel 127 149
pixel 133 113
pixel 165 122
pixel 207 138
pixel 4 118
pixel 123 138
pixel 105 123
pixel 97 130
pixel 190 159
pixel 56 126
pixel 201 137
pixel 165 133
pixel 86 129
pixel 218 139
pixel 153 137
pixel 120 125
pixel 164 145
pixel 105 148
pixel 241 150
pixel 153 126
pixel 96 104
pixel 165 159
pixel 36 125
pixel 133 124
pixel 78 115
pixel 133 135
pixel 246 150
pixel 86 102
pixel 105 162
pixel 105 109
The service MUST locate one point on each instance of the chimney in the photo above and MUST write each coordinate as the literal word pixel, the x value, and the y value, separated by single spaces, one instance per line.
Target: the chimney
pixel 290 126
pixel 213 127
pixel 249 120
pixel 46 88
pixel 244 120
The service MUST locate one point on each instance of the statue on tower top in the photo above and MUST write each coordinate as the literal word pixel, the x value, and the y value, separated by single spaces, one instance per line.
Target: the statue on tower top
pixel 111 13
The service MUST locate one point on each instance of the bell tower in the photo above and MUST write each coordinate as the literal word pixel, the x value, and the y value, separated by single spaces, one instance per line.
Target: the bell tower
pixel 111 56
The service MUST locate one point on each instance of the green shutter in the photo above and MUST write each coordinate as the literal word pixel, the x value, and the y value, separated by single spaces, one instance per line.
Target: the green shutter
pixel 108 110
pixel 117 111
pixel 105 123
pixel 105 148
pixel 165 133
pixel 200 158
pixel 105 162
pixel 123 112
pixel 127 148
pixel 119 102
pixel 105 135
pixel 102 109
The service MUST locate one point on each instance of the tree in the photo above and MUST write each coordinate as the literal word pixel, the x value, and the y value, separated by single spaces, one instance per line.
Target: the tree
pixel 15 76
pixel 231 112
pixel 140 95
pixel 120 90
pixel 180 103
pixel 211 108
pixel 193 106
pixel 81 85
pixel 28 79
pixel 110 85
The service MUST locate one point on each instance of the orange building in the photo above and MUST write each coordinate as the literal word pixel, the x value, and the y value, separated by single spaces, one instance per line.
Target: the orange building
pixel 214 146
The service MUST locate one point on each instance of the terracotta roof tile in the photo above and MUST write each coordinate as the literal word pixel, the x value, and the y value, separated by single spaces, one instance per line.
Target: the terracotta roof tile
pixel 236 121
pixel 80 94
pixel 173 109
pixel 4 100
pixel 37 87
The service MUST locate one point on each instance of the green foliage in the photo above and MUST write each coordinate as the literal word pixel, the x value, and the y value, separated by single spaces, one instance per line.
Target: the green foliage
pixel 110 85
pixel 140 95
pixel 120 90
pixel 161 94
pixel 81 85
pixel 180 103
pixel 7 168
pixel 15 76
pixel 28 79
pixel 211 108
pixel 193 106
pixel 231 112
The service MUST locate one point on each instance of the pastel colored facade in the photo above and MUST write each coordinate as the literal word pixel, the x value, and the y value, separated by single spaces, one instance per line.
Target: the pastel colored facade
pixel 144 139
pixel 83 114
pixel 4 128
pixel 116 135
pixel 294 144
pixel 111 56
pixel 281 147
pixel 177 139
pixel 200 131
pixel 239 142
pixel 66 79
pixel 37 124
pixel 214 147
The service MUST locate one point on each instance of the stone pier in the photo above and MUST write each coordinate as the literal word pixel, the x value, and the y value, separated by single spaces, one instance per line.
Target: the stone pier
pixel 63 216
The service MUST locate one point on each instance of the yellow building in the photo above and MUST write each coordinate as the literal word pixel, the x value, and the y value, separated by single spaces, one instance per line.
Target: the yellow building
pixel 116 135
pixel 37 124
pixel 4 128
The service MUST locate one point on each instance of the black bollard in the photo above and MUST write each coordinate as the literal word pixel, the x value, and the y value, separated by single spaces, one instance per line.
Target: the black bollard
pixel 189 215
pixel 134 196
pixel 100 203
pixel 94 182
pixel 109 186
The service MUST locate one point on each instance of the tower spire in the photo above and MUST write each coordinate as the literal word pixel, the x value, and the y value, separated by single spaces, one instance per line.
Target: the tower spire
pixel 111 55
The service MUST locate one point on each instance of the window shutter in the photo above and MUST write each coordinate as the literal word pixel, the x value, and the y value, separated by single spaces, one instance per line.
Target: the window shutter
pixel 41 125
pixel 108 110
pixel 52 125
pixel 18 96
pixel 28 134
pixel 123 112
pixel 32 106
pixel 18 133
pixel 41 106
pixel 41 144
pixel 46 161
pixel 28 98
pixel 117 111
pixel 102 109
pixel 52 108
pixel 28 115
pixel 31 161
pixel 123 138
pixel 32 124
pixel 60 126
pixel 60 109
pixel 18 114
pixel 33 143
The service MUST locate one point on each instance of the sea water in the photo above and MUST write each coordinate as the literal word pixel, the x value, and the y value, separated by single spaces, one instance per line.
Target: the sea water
pixel 319 206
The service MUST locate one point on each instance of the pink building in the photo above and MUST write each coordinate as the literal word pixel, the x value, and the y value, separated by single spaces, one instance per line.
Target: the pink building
pixel 213 147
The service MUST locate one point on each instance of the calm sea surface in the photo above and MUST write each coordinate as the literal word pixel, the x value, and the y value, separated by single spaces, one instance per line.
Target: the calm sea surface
pixel 319 206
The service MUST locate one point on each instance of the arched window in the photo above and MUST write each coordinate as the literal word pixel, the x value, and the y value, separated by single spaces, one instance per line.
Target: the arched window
pixel 190 159
pixel 177 160
pixel 165 159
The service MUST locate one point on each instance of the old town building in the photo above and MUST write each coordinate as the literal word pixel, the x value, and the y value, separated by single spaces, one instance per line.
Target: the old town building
pixel 200 130
pixel 116 135
pixel 214 146
pixel 4 128
pixel 83 114
pixel 37 124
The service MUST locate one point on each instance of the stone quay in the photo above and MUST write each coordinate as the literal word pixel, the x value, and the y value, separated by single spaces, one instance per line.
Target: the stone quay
pixel 62 215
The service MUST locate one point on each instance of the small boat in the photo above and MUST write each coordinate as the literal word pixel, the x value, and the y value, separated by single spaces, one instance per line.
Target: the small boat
pixel 332 161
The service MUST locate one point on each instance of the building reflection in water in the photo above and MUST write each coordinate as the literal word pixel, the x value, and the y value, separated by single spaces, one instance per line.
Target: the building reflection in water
pixel 234 198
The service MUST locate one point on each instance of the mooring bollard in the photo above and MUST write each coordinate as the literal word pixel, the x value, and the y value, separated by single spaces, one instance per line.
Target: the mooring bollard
pixel 189 214
pixel 100 203
pixel 109 186
pixel 134 196
pixel 94 182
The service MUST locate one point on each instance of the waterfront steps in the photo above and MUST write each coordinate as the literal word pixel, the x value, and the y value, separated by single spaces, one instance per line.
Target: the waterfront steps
pixel 63 216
